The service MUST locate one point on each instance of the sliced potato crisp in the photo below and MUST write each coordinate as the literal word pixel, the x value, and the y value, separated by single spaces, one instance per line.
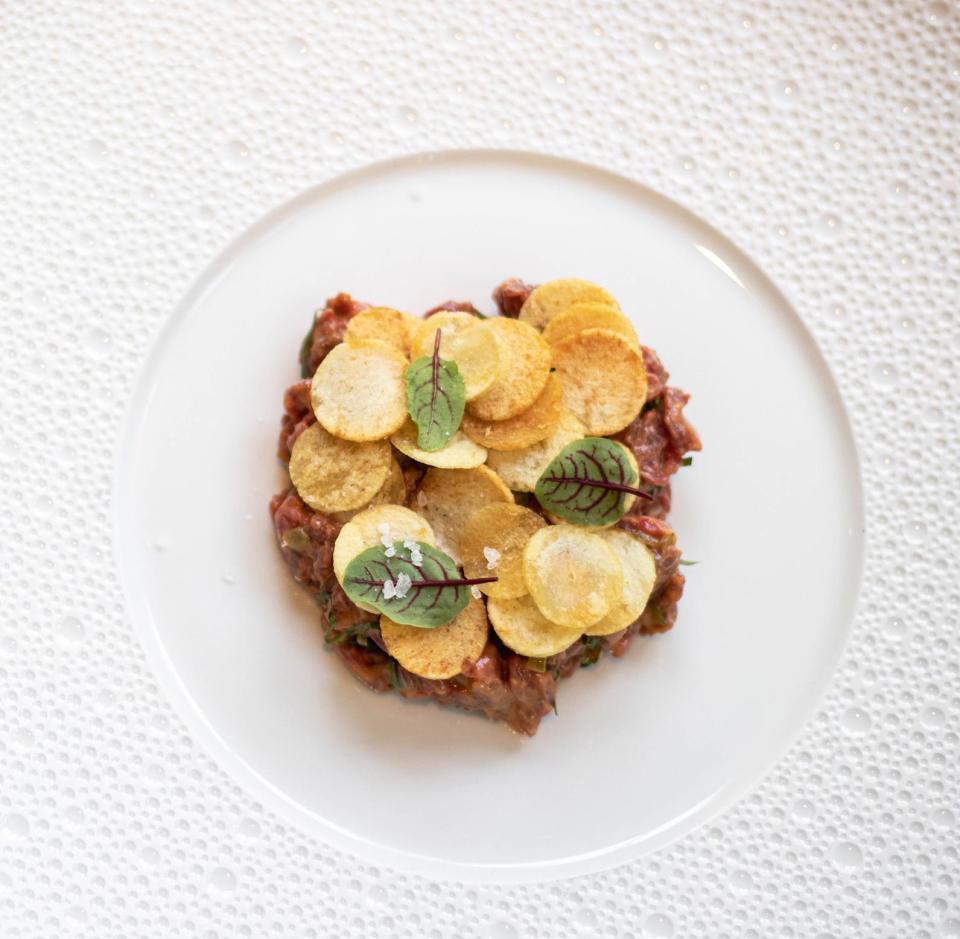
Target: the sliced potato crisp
pixel 334 475
pixel 583 316
pixel 523 628
pixel 526 428
pixel 555 296
pixel 466 340
pixel 523 371
pixel 448 497
pixel 459 452
pixel 380 324
pixel 639 575
pixel 440 652
pixel 520 469
pixel 393 491
pixel 573 576
pixel 369 527
pixel 492 544
pixel 358 392
pixel 604 381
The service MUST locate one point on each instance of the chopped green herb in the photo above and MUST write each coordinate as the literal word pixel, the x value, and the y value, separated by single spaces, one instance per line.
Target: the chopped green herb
pixel 535 665
pixel 650 405
pixel 683 562
pixel 687 461
pixel 394 676
pixel 305 351
pixel 296 539
pixel 658 614
pixel 592 650
pixel 358 634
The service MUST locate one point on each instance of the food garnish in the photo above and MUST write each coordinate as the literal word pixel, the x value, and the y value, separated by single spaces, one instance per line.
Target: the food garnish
pixel 435 398
pixel 589 481
pixel 412 582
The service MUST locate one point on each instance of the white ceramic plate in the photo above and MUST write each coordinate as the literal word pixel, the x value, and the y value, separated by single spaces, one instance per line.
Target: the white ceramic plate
pixel 643 749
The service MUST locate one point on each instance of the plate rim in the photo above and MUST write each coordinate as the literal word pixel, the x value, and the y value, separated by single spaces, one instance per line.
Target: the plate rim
pixel 255 784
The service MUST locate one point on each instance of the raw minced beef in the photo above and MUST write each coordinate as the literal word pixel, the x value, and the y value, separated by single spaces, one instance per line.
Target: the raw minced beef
pixel 500 684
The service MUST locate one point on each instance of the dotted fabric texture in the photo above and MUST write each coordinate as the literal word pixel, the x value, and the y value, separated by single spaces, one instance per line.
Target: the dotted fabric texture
pixel 139 137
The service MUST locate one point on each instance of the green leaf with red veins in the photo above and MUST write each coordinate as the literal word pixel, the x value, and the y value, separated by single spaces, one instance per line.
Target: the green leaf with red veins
pixel 417 585
pixel 588 482
pixel 436 396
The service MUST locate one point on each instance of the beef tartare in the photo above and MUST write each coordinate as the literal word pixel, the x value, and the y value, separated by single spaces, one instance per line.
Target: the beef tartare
pixel 478 504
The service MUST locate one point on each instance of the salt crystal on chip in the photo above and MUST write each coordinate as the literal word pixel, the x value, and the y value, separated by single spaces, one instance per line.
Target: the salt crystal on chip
pixel 493 557
pixel 404 583
pixel 475 592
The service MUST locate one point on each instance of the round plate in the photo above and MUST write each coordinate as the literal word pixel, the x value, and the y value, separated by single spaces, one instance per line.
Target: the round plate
pixel 643 749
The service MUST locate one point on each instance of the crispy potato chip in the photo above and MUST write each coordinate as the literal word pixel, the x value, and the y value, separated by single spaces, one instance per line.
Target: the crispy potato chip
pixel 459 452
pixel 573 576
pixel 366 529
pixel 639 575
pixel 524 369
pixel 333 475
pixel 393 491
pixel 492 544
pixel 449 322
pixel 439 652
pixel 591 315
pixel 466 340
pixel 380 324
pixel 604 381
pixel 448 497
pixel 523 628
pixel 520 469
pixel 627 502
pixel 522 430
pixel 555 296
pixel 358 392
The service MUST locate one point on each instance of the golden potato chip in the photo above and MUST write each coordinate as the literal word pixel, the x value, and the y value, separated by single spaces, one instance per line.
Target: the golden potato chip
pixel 459 452
pixel 492 545
pixel 449 322
pixel 555 296
pixel 520 469
pixel 393 491
pixel 523 628
pixel 639 575
pixel 466 340
pixel 604 381
pixel 627 502
pixel 380 324
pixel 448 497
pixel 573 576
pixel 358 392
pixel 369 527
pixel 583 316
pixel 525 428
pixel 333 475
pixel 440 652
pixel 524 369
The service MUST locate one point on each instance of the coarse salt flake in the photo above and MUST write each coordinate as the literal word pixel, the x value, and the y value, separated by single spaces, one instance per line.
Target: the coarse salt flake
pixel 389 589
pixel 493 557
pixel 475 592
pixel 403 585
